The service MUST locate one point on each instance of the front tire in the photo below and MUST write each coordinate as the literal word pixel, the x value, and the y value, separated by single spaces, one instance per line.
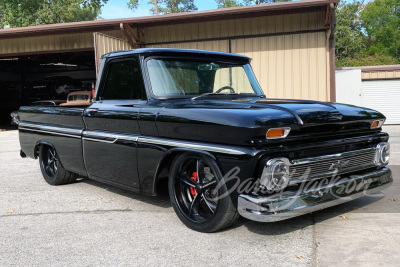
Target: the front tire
pixel 52 170
pixel 195 185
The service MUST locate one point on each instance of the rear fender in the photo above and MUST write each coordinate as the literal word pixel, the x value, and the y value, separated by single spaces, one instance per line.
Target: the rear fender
pixel 37 148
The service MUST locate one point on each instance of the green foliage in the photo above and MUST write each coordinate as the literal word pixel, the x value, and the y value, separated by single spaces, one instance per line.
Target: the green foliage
pixel 22 13
pixel 368 34
pixel 174 6
pixel 167 6
pixel 373 60
pixel 258 2
pixel 233 3
pixel 227 3
pixel 381 20
pixel 350 40
pixel 133 4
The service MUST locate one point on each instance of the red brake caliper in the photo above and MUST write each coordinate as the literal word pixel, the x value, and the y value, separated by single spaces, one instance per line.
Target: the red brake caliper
pixel 194 178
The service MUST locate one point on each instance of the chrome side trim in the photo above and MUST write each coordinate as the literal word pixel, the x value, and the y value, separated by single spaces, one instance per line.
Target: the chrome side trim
pixel 48 132
pixel 191 145
pixel 97 135
pixel 289 204
pixel 50 129
pixel 99 140
pixel 54 130
pixel 107 137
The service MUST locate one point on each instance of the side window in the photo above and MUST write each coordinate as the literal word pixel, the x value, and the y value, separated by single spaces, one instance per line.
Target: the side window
pixel 124 81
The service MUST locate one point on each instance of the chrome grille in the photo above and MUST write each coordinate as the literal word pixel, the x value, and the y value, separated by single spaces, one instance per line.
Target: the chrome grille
pixel 328 165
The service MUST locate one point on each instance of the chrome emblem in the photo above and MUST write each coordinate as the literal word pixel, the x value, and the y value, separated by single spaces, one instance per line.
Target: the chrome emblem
pixel 339 165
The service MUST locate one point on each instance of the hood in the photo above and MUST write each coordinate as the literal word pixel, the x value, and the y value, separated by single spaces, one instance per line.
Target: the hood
pixel 316 112
pixel 247 120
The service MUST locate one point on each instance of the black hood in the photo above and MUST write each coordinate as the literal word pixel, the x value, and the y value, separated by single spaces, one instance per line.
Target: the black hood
pixel 316 112
pixel 246 120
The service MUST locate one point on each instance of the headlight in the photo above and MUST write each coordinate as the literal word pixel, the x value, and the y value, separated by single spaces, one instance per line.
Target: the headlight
pixel 275 175
pixel 382 154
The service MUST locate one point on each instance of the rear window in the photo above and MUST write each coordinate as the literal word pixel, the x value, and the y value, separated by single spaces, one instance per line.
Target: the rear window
pixel 124 81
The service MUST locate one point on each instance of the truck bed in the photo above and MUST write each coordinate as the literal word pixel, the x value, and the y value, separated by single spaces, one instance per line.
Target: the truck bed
pixel 59 126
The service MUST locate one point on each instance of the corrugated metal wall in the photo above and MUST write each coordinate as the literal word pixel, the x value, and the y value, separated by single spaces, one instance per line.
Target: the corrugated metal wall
pixel 380 75
pixel 50 43
pixel 220 46
pixel 288 65
pixel 46 43
pixel 104 44
pixel 235 27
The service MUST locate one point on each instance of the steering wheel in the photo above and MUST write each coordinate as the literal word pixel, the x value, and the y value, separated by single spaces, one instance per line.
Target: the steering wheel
pixel 225 88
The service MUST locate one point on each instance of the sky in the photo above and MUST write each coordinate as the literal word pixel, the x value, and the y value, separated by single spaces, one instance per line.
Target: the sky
pixel 116 9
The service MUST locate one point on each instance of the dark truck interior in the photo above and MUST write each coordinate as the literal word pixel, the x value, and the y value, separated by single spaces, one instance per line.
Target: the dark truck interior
pixel 42 80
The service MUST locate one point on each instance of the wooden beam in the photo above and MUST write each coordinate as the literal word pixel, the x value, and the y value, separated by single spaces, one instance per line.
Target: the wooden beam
pixel 133 39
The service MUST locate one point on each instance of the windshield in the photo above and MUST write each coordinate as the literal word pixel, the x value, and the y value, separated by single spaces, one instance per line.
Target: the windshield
pixel 191 77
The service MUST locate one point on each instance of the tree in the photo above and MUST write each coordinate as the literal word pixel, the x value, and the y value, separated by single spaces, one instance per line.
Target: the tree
pixel 233 3
pixel 377 59
pixel 381 20
pixel 1 17
pixel 22 13
pixel 166 6
pixel 228 3
pixel 258 2
pixel 349 36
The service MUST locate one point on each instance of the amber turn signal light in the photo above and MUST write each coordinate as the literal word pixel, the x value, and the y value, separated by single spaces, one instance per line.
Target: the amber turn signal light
pixel 376 124
pixel 276 133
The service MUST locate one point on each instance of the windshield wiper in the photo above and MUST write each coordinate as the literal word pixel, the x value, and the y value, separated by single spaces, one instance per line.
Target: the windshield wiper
pixel 206 94
pixel 242 94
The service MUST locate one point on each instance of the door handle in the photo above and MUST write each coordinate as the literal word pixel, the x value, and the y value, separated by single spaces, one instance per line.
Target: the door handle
pixel 91 111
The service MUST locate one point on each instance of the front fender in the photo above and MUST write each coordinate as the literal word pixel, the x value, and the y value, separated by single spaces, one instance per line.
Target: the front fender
pixel 243 166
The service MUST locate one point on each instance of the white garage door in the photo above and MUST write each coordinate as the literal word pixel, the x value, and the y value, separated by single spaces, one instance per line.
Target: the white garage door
pixel 383 96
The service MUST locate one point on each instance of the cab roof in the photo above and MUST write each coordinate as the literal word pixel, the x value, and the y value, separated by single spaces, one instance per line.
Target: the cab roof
pixel 171 51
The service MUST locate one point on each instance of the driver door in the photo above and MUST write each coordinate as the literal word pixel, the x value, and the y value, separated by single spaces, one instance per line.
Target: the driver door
pixel 110 140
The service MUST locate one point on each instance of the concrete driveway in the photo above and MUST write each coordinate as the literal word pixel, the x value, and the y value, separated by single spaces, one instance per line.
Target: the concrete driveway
pixel 89 223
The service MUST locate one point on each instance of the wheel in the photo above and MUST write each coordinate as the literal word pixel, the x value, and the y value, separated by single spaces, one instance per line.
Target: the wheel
pixel 52 171
pixel 195 184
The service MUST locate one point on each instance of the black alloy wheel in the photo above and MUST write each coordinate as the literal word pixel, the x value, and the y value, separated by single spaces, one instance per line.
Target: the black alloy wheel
pixel 51 161
pixel 52 169
pixel 195 187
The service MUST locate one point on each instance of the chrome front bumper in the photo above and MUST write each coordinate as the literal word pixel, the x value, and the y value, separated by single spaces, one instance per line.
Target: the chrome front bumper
pixel 313 197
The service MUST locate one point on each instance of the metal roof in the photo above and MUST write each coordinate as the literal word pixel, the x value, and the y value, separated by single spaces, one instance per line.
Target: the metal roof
pixel 373 68
pixel 148 21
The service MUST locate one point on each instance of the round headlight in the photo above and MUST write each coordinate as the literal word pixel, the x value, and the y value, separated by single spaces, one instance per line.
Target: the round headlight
pixel 382 154
pixel 276 176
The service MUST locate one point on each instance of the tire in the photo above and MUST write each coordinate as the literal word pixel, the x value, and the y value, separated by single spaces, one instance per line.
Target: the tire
pixel 52 170
pixel 193 191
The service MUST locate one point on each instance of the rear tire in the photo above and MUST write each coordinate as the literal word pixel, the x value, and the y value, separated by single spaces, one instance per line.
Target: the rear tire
pixel 194 194
pixel 52 170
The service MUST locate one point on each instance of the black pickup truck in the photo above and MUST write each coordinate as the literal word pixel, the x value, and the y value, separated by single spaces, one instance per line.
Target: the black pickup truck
pixel 201 120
